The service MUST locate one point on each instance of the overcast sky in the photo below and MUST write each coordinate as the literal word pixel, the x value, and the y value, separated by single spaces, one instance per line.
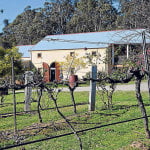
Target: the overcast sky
pixel 12 8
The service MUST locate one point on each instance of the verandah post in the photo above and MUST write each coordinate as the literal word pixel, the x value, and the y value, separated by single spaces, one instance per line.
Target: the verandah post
pixel 92 94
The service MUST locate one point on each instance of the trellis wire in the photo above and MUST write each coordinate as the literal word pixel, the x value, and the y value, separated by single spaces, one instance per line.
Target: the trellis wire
pixel 70 133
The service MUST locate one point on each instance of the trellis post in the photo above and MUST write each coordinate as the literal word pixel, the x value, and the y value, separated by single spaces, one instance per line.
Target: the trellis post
pixel 14 95
pixel 92 94
pixel 28 90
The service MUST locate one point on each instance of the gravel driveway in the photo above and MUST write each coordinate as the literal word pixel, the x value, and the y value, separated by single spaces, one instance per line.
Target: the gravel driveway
pixel 123 87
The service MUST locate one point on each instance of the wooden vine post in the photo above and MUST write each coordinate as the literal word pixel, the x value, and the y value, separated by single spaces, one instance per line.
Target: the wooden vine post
pixel 28 90
pixel 92 94
pixel 14 96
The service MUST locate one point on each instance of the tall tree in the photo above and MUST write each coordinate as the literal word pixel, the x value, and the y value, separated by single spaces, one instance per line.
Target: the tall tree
pixel 18 32
pixel 32 25
pixel 61 13
pixel 93 15
pixel 134 14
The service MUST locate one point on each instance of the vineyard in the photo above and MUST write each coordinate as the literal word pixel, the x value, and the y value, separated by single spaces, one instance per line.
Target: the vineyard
pixel 44 115
pixel 56 122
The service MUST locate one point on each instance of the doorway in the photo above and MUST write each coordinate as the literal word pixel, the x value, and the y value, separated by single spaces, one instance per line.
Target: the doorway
pixel 54 71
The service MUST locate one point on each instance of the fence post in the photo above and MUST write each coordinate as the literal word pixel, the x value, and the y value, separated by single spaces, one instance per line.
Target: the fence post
pixel 92 93
pixel 28 90
pixel 14 95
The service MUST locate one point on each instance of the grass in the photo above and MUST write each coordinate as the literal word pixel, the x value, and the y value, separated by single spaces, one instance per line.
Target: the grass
pixel 114 137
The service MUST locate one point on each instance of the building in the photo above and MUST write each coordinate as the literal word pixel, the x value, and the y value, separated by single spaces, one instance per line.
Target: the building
pixel 26 57
pixel 48 54
pixel 24 50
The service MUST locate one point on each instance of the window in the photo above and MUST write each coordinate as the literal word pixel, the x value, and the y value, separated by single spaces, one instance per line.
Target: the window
pixel 39 55
pixel 72 54
pixel 94 53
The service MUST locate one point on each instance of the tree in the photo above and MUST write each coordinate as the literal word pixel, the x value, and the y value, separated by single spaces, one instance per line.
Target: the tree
pixel 93 15
pixel 72 64
pixel 5 61
pixel 134 14
pixel 17 32
pixel 27 28
pixel 61 12
pixel 33 24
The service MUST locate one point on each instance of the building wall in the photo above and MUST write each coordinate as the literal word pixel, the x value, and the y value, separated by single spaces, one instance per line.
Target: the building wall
pixel 50 56
pixel 25 58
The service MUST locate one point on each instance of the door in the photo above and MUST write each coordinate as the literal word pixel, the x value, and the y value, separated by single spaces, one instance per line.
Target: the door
pixel 46 72
pixel 53 74
pixel 55 71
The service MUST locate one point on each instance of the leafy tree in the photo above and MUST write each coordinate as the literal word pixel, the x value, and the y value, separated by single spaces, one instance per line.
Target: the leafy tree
pixel 72 64
pixel 5 61
pixel 134 14
pixel 19 32
pixel 27 28
pixel 92 15
pixel 34 24
pixel 60 13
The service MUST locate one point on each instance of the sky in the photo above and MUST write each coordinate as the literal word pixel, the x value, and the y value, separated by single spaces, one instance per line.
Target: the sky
pixel 12 8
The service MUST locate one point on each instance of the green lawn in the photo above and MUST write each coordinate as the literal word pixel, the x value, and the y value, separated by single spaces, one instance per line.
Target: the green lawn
pixel 115 137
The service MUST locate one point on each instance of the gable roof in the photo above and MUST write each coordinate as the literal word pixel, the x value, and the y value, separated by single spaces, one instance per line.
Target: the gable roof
pixel 24 50
pixel 90 40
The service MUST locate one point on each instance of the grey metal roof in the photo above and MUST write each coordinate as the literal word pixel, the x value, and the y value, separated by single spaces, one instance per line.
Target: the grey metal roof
pixel 90 39
pixel 24 50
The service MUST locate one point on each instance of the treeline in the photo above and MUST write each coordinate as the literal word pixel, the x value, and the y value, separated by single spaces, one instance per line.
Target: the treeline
pixel 73 16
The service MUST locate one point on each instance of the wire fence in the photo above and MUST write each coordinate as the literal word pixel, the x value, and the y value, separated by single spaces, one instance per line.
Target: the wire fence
pixel 43 100
pixel 70 133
